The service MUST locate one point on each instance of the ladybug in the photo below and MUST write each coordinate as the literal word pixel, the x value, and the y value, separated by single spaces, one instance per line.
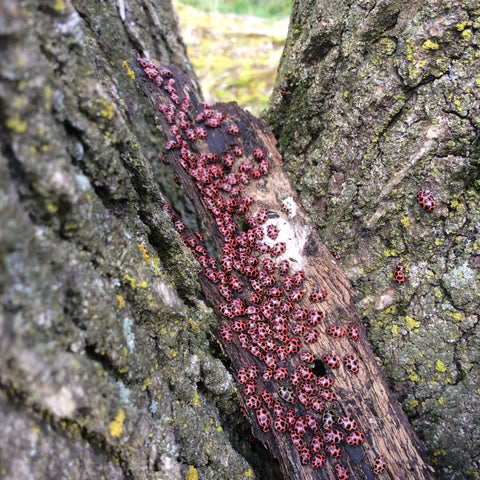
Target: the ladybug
pixel 278 410
pixel 268 265
pixel 280 424
pixel 425 201
pixel 263 168
pixel 267 398
pixel 228 160
pixel 298 277
pixel 262 216
pixel 380 464
pixel 336 331
pixel 399 274
pixel 305 456
pixel 255 173
pixel 307 357
pixel 242 376
pixel 341 471
pixel 253 402
pixel 239 326
pixel 237 150
pixel 254 350
pixel 236 285
pixel 245 167
pixel 300 426
pixel 347 423
pixel 303 399
pixel 287 394
pixel 243 340
pixel 296 296
pixel 270 361
pixel 318 296
pixel 318 461
pixel 353 332
pixel 213 122
pixel 355 438
pixel 274 292
pixel 256 285
pixel 324 382
pixel 328 395
pixel 350 363
pixel 330 360
pixel 179 226
pixel 283 91
pixel 191 135
pixel 328 420
pixel 267 375
pixel 280 374
pixel 314 318
pixel 300 314
pixel 268 281
pixel 151 72
pixel 166 73
pixel 278 249
pixel 293 346
pixel 272 232
pixel 283 267
pixel 334 450
pixel 263 420
pixel 262 247
pixel 295 379
pixel 233 130
pixel 306 373
pixel 311 336
pixel 312 423
pixel 298 329
pixel 258 154
pixel 316 444
pixel 318 406
pixel 291 417
pixel 296 440
pixel 333 436
pixel 249 388
pixel 201 133
pixel 226 334
pixel 288 283
pixel 309 390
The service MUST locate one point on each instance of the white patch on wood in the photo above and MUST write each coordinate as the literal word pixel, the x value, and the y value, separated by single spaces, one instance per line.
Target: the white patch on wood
pixel 290 206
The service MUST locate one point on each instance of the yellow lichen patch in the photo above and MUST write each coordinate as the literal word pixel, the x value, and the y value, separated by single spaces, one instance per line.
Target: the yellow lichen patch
pixel 129 70
pixel 429 45
pixel 440 366
pixel 405 222
pixel 248 473
pixel 59 5
pixel 117 425
pixel 16 124
pixel 106 109
pixel 411 323
pixel 441 401
pixel 146 257
pixel 196 400
pixel 133 283
pixel 121 302
pixel 394 330
pixel 147 383
pixel 192 473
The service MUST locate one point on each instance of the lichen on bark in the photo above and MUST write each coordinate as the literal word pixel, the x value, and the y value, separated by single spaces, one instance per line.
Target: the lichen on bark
pixel 383 101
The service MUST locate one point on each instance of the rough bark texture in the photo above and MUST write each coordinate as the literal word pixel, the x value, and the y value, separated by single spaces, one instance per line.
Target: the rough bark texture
pixel 383 102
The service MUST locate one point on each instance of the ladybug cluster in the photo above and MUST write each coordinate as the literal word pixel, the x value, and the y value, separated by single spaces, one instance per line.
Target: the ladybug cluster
pixel 269 322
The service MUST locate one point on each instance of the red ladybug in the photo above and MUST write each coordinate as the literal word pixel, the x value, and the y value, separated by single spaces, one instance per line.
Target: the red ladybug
pixel 380 465
pixel 280 374
pixel 291 417
pixel 399 274
pixel 249 388
pixel 341 471
pixel 228 160
pixel 262 247
pixel 239 326
pixel 258 154
pixel 333 436
pixel 311 336
pixel 318 460
pixel 306 373
pixel 293 346
pixel 213 122
pixel 295 379
pixel 327 395
pixel 201 133
pixel 336 331
pixel 278 410
pixel 307 357
pixel 316 444
pixel 267 398
pixel 353 332
pixel 303 399
pixel 315 318
pixel 233 130
pixel 350 363
pixel 262 216
pixel 226 334
pixel 334 450
pixel 166 73
pixel 242 376
pixel 296 296
pixel 245 167
pixel 324 382
pixel 263 168
pixel 274 292
pixel 298 329
pixel 296 440
pixel 355 438
pixel 301 426
pixel 425 201
pixel 255 173
pixel 283 91
pixel 263 420
pixel 288 283
pixel 330 360
pixel 272 232
pixel 237 150
pixel 253 402
pixel 300 314
pixel 280 424
pixel 236 285
pixel 312 423
pixel 298 277
pixel 271 361
pixel 305 456
pixel 318 296
pixel 283 267
pixel 278 249
pixel 347 423
pixel 318 406
pixel 328 419
pixel 267 375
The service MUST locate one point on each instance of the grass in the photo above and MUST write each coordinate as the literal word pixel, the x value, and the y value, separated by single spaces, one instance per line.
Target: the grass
pixel 271 9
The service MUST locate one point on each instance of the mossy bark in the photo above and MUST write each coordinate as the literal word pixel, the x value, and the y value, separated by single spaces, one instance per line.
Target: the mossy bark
pixel 106 362
pixel 383 101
